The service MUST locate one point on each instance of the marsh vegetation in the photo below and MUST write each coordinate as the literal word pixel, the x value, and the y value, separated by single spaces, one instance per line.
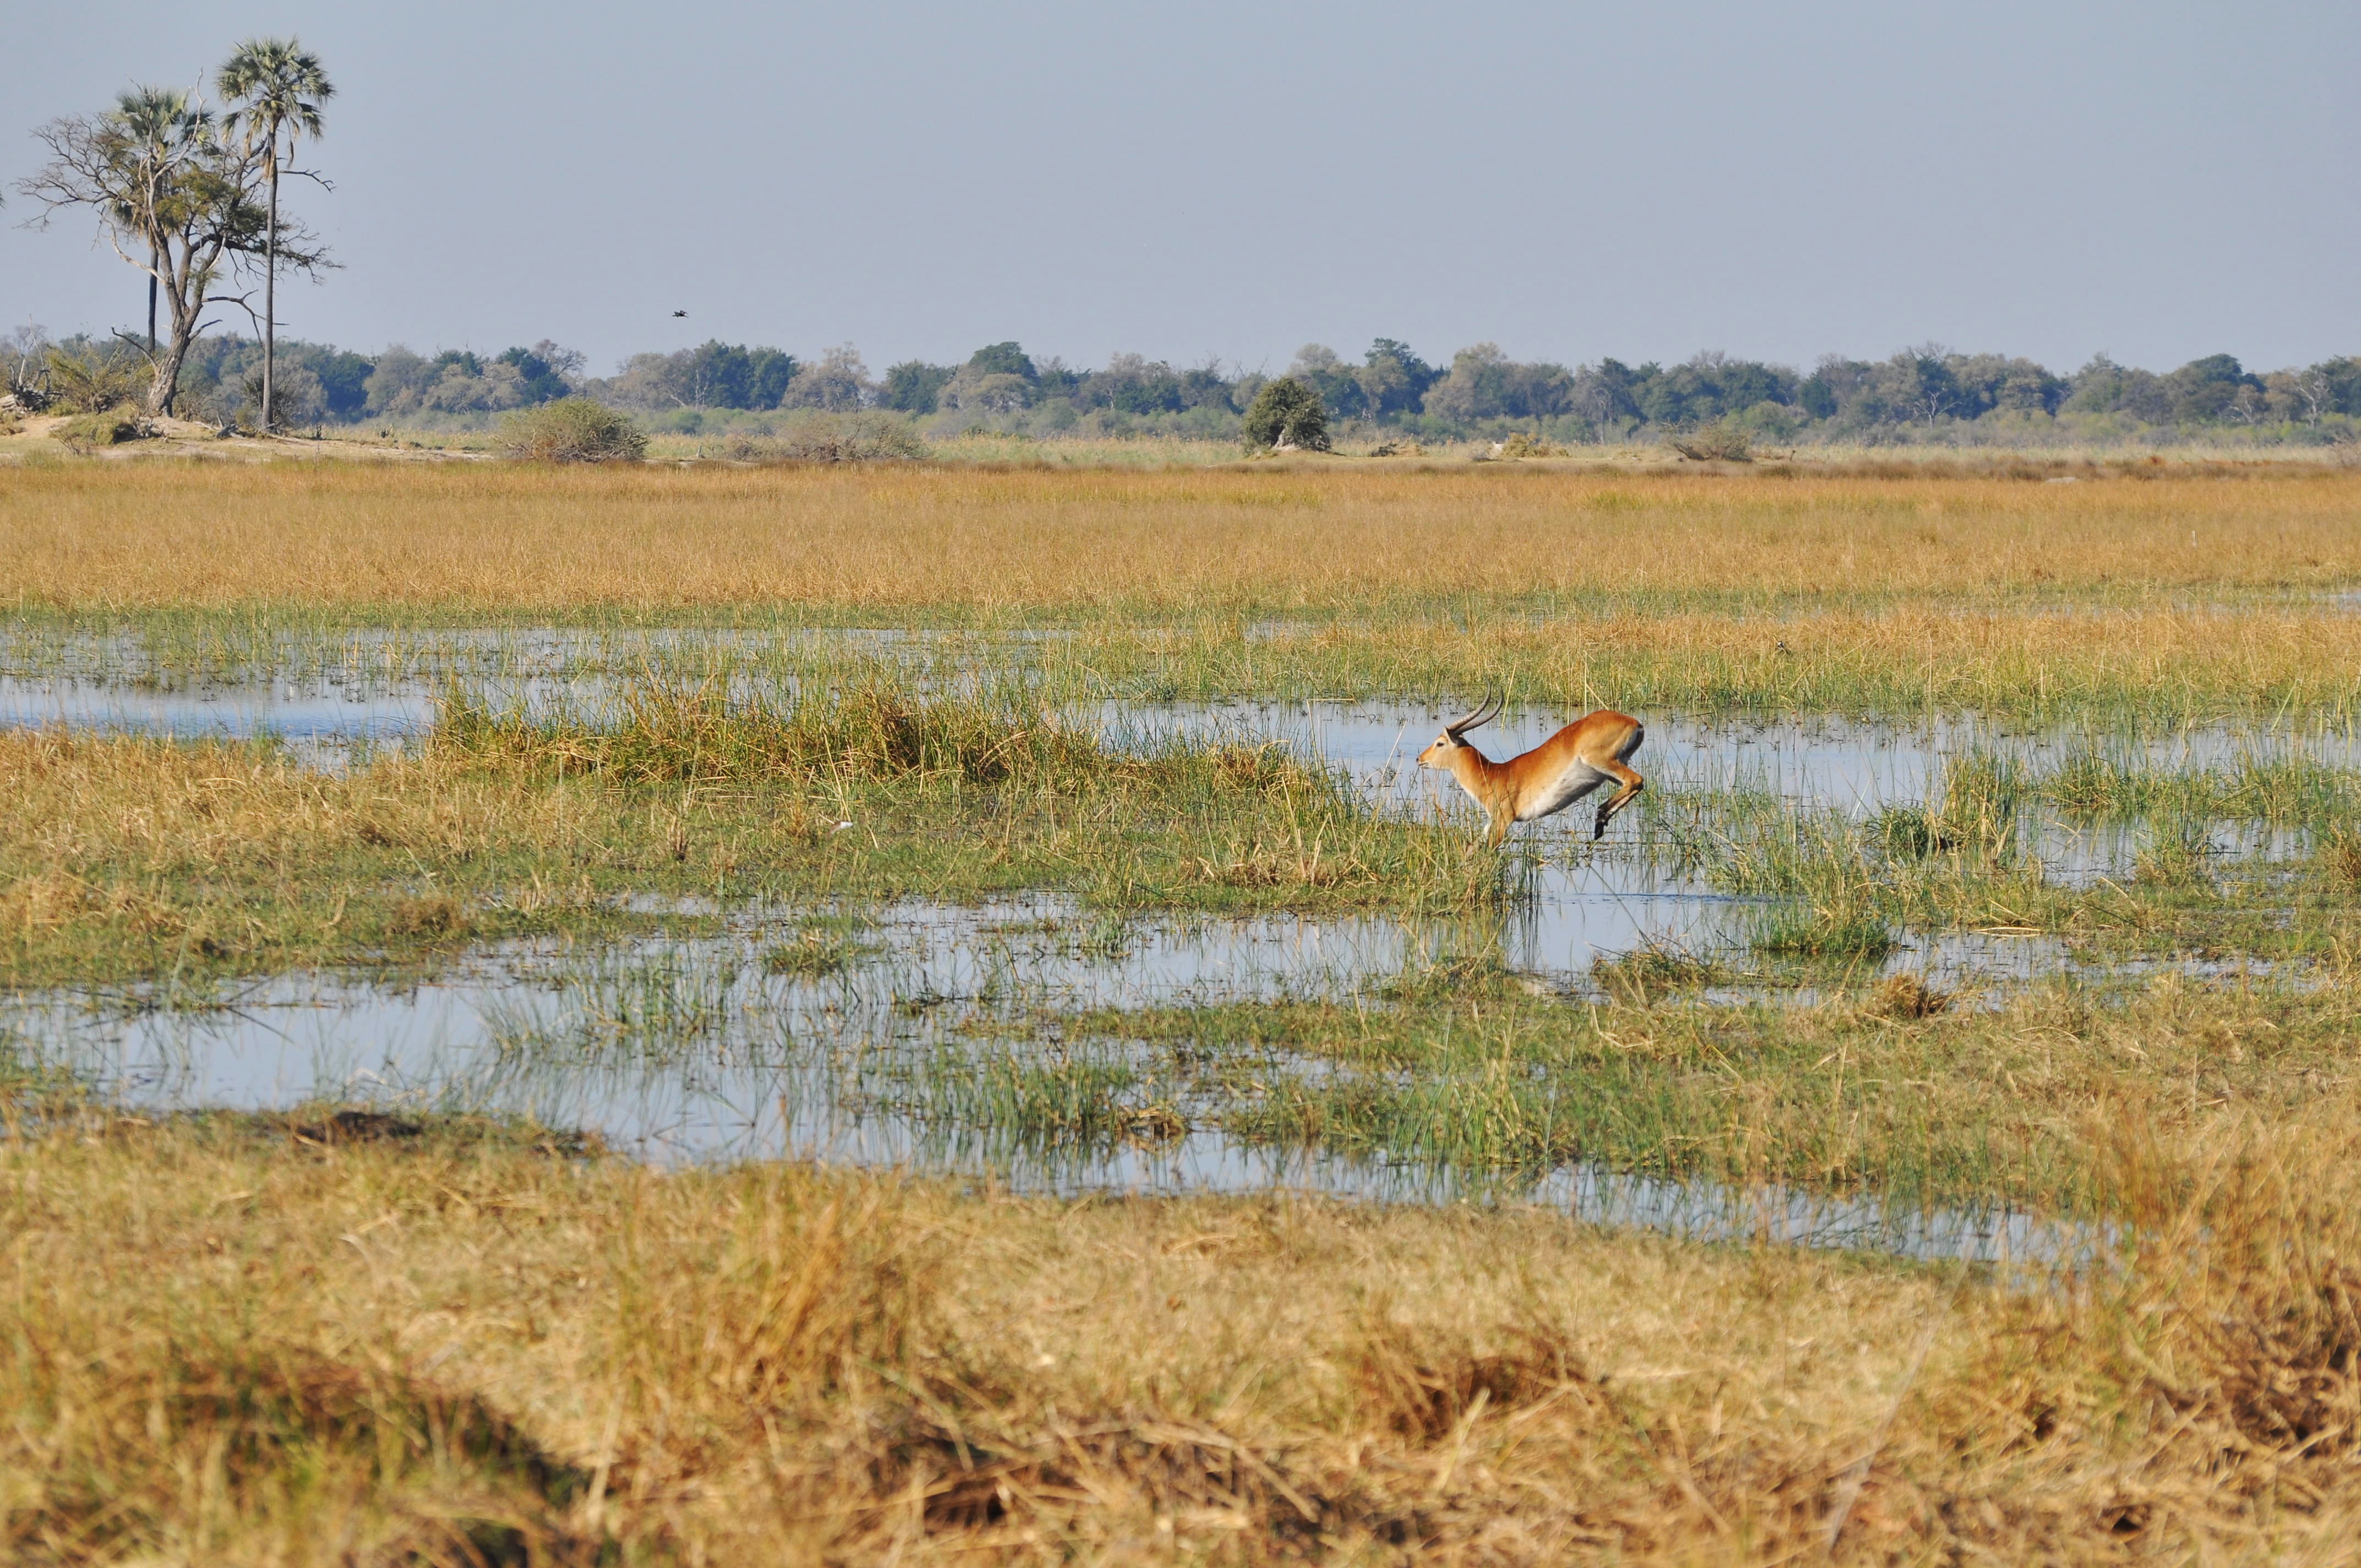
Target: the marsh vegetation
pixel 1047 838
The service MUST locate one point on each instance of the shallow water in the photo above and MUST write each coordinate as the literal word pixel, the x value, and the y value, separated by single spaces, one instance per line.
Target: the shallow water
pixel 314 714
pixel 688 1051
pixel 420 661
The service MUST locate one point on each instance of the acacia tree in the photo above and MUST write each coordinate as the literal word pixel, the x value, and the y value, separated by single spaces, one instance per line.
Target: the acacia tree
pixel 175 195
pixel 278 88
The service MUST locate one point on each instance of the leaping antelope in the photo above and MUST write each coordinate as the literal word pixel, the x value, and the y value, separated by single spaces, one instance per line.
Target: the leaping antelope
pixel 1549 778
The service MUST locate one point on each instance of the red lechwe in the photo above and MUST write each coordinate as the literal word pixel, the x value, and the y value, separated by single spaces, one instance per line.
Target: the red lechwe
pixel 1587 754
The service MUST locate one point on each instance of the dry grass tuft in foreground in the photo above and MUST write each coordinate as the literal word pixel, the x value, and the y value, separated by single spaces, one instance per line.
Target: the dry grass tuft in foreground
pixel 371 1340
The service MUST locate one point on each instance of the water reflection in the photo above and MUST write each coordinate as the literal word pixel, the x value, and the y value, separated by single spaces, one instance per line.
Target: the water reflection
pixel 694 1050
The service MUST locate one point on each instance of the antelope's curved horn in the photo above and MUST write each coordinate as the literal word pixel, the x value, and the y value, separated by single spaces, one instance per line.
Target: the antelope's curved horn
pixel 1485 712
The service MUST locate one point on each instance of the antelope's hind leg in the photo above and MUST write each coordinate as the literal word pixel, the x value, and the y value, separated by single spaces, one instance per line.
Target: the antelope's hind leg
pixel 1632 785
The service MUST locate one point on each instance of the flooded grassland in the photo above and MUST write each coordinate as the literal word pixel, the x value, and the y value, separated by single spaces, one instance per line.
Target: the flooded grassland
pixel 1972 987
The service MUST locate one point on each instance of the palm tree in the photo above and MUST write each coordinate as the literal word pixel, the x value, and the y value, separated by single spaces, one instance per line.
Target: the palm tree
pixel 158 124
pixel 277 87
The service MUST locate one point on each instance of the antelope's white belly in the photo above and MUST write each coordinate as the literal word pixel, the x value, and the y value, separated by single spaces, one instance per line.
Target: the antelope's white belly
pixel 1578 779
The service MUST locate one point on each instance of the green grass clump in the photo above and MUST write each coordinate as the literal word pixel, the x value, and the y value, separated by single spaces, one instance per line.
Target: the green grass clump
pixel 869 725
pixel 1838 884
pixel 1168 821
pixel 1907 833
pixel 1447 976
pixel 2088 783
pixel 1655 970
pixel 2337 859
pixel 1806 931
pixel 656 1004
pixel 820 947
pixel 2097 785
pixel 2177 853
pixel 1004 1102
pixel 879 728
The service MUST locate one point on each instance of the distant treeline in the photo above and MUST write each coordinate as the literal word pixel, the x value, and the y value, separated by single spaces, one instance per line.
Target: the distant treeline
pixel 1924 393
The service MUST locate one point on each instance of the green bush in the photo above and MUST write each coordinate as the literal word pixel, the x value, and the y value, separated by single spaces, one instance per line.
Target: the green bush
pixel 91 380
pixel 1287 412
pixel 83 432
pixel 572 430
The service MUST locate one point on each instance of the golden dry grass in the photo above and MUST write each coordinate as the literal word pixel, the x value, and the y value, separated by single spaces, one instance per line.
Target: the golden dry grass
pixel 497 539
pixel 127 856
pixel 357 1341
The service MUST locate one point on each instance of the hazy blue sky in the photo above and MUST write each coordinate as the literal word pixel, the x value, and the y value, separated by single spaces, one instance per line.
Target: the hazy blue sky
pixel 2160 180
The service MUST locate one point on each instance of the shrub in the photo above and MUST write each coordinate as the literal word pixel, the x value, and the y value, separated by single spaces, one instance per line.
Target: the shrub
pixel 857 438
pixel 89 380
pixel 1725 443
pixel 1287 412
pixel 83 432
pixel 572 430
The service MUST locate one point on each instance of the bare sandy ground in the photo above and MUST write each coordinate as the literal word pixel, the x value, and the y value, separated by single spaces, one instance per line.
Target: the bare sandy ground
pixel 23 436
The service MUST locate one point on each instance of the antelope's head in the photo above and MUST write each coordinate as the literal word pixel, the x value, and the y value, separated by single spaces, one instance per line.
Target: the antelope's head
pixel 1453 737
